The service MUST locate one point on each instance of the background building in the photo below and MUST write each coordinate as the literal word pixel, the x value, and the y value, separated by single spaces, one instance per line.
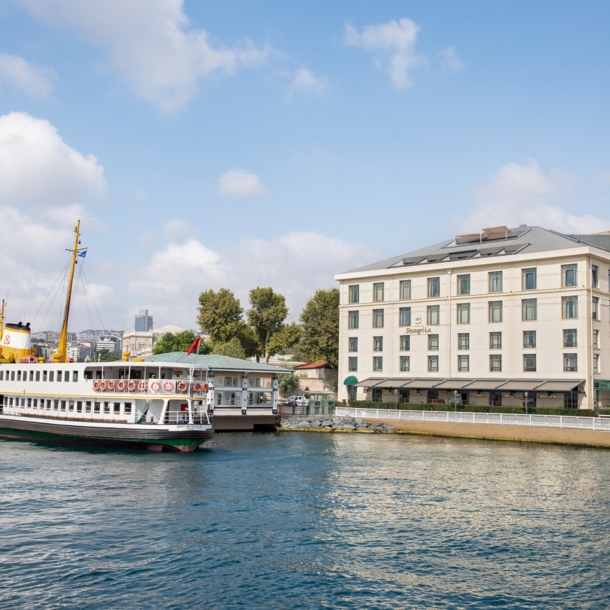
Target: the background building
pixel 481 319
pixel 144 322
pixel 140 343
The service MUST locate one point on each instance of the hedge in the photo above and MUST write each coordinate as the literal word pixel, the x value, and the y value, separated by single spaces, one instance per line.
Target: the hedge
pixel 476 409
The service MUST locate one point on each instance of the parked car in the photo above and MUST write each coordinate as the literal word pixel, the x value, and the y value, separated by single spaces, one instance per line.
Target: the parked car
pixel 299 401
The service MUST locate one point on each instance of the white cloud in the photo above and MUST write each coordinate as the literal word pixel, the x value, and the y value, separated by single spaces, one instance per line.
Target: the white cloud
pixel 306 81
pixel 239 182
pixel 450 60
pixel 398 38
pixel 38 168
pixel 522 194
pixel 177 229
pixel 295 264
pixel 151 44
pixel 29 78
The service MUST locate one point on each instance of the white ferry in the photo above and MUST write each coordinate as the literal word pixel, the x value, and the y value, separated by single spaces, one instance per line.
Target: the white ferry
pixel 163 402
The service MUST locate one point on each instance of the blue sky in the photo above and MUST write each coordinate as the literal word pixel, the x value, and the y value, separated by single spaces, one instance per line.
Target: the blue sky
pixel 272 143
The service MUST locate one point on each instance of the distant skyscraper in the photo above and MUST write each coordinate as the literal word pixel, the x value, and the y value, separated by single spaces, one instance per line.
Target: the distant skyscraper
pixel 144 322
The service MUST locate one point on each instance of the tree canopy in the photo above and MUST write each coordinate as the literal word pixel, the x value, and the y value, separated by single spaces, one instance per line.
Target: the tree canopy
pixel 106 355
pixel 179 342
pixel 287 383
pixel 231 348
pixel 220 314
pixel 320 327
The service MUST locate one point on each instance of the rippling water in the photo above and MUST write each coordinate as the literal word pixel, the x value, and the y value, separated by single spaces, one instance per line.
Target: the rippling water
pixel 306 521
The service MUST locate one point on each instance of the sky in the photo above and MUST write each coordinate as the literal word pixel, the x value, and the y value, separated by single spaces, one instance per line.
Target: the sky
pixel 241 144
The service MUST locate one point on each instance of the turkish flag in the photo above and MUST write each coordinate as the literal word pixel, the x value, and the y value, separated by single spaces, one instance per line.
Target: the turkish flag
pixel 195 346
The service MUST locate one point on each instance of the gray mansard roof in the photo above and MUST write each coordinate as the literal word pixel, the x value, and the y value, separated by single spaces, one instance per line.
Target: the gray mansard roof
pixel 215 362
pixel 521 240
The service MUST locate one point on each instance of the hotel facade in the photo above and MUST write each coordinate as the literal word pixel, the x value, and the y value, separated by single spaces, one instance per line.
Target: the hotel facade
pixel 502 317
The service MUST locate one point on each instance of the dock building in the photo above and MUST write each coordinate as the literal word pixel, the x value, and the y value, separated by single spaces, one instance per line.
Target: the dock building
pixel 500 317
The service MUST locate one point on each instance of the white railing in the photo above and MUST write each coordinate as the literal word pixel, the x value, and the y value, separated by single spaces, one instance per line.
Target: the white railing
pixel 182 417
pixel 506 419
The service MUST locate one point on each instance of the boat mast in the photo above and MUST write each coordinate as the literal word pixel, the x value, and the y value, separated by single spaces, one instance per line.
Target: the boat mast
pixel 62 348
pixel 2 321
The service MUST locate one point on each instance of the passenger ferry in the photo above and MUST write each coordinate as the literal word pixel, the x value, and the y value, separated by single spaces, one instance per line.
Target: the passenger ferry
pixel 130 404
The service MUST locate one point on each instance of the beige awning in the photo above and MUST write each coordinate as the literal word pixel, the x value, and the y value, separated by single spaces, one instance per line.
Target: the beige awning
pixel 423 384
pixel 559 386
pixel 523 385
pixel 393 383
pixel 453 384
pixel 370 382
pixel 486 384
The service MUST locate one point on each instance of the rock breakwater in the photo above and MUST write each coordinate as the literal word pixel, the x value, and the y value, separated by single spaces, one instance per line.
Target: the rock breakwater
pixel 327 423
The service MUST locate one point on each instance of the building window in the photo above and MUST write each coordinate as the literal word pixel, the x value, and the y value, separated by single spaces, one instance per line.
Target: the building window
pixel 463 341
pixel 569 275
pixel 433 343
pixel 377 394
pixel 569 307
pixel 405 316
pixel 495 363
pixel 596 339
pixel 529 363
pixel 377 363
pixel 433 315
pixel 570 337
pixel 354 294
pixel 405 364
pixel 378 291
pixel 405 343
pixel 529 339
pixel 405 289
pixel 353 319
pixel 377 318
pixel 463 284
pixel 595 308
pixel 528 277
pixel 529 309
pixel 495 340
pixel 463 313
pixel 353 344
pixel 433 364
pixel 570 363
pixel 434 287
pixel 352 363
pixel 377 344
pixel 463 364
pixel 495 281
pixel 404 396
pixel 495 311
pixel 594 276
pixel 596 363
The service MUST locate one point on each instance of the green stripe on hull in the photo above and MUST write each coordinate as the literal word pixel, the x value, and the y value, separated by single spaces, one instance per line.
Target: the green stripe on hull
pixel 181 444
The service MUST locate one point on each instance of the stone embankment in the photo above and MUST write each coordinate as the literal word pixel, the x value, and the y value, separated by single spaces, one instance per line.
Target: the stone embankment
pixel 327 423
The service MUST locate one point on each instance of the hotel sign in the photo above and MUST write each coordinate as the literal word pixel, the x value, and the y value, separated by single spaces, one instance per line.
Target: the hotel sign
pixel 423 330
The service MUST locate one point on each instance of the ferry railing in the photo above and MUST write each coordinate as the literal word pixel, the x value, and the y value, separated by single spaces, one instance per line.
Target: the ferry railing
pixel 182 417
pixel 505 419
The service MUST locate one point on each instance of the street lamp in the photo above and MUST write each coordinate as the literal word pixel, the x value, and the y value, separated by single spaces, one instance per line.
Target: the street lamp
pixel 525 395
pixel 455 395
pixel 396 398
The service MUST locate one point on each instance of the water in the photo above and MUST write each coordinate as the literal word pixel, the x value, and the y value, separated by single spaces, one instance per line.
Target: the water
pixel 306 521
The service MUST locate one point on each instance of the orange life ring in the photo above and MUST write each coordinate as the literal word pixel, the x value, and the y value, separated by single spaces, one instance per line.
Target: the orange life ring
pixel 205 387
pixel 110 384
pixel 155 386
pixel 168 386
pixel 268 384
pixel 182 386
pixel 120 386
pixel 196 387
pixel 143 386
pixel 132 385
pixel 96 385
pixel 102 386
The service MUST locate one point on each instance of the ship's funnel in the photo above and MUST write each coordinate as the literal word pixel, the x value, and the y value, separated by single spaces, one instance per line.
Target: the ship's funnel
pixel 16 342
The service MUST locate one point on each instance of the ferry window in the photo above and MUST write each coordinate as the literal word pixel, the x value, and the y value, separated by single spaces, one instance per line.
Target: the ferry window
pixel 67 376
pixel 98 374
pixel 44 375
pixel 12 375
pixel 35 402
pixel 96 407
pixel 29 402
pixel 71 406
pixel 254 382
pixel 63 405
pixel 1 375
pixel 31 375
pixel 55 404
pixel 10 401
pixel 49 404
pixel 51 375
pixel 37 375
pixel 231 382
pixel 127 408
pixel 23 402
pixel 88 407
pixel 106 407
pixel 79 406
pixel 117 407
pixel 88 375
pixel 58 376
pixel 75 376
pixel 18 375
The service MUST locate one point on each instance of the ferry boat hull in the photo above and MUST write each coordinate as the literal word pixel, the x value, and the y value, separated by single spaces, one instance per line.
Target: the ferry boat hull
pixel 184 438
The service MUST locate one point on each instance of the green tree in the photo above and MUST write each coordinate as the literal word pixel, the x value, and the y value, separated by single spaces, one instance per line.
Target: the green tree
pixel 105 355
pixel 287 383
pixel 179 342
pixel 231 348
pixel 320 327
pixel 266 316
pixel 220 315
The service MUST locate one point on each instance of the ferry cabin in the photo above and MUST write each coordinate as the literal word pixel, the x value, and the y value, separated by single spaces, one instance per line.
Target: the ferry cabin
pixel 163 392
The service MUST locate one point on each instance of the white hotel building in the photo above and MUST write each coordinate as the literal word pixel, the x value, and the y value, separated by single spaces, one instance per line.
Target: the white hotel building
pixel 481 319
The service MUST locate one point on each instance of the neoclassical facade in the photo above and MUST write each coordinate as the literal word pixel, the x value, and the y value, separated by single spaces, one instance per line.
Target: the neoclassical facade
pixel 501 317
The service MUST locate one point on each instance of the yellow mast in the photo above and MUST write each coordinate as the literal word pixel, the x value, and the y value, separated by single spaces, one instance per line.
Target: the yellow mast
pixel 62 348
